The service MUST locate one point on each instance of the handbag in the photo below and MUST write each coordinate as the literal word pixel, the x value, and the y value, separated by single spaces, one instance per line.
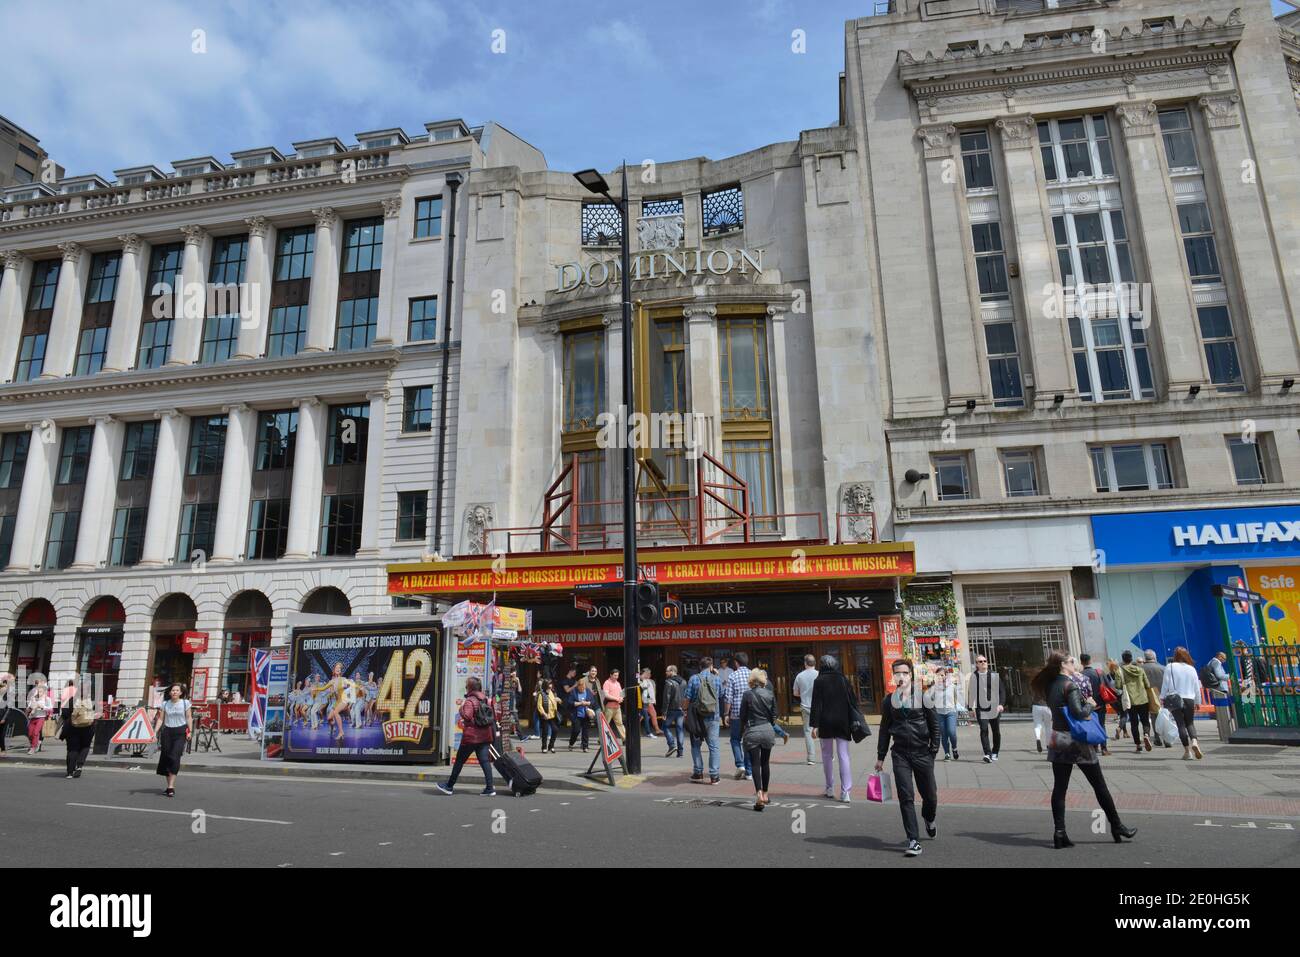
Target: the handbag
pixel 1107 693
pixel 858 728
pixel 1085 731
pixel 50 729
pixel 880 788
pixel 1153 700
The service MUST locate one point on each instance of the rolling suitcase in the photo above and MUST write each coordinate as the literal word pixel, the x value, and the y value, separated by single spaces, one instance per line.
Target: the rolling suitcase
pixel 517 770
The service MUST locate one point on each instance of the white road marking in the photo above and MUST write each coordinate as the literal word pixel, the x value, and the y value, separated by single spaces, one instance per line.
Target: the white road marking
pixel 533 810
pixel 337 853
pixel 427 834
pixel 564 804
pixel 467 825
pixel 385 843
pixel 150 810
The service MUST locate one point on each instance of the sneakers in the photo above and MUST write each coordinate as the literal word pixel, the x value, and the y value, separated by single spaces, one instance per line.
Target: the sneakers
pixel 1196 750
pixel 846 796
pixel 1146 743
pixel 812 763
pixel 947 757
pixel 931 830
pixel 995 755
pixel 913 849
pixel 697 776
pixel 443 789
pixel 955 755
pixel 740 774
pixel 488 792
pixel 671 752
pixel 749 776
pixel 830 793
pixel 715 780
pixel 987 759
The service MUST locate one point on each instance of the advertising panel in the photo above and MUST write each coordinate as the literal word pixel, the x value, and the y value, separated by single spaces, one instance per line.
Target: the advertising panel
pixel 364 693
pixel 1280 587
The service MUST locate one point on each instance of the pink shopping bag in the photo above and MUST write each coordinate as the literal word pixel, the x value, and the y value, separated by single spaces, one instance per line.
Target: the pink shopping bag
pixel 879 788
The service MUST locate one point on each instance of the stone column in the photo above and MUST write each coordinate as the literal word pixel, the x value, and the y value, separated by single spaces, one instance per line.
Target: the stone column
pixel 308 470
pixel 255 298
pixel 372 511
pixel 189 307
pixel 1048 330
pixel 128 304
pixel 1171 290
pixel 782 433
pixel 1272 325
pixel 34 499
pixel 101 491
pixel 13 286
pixel 959 309
pixel 65 654
pixel 131 676
pixel 160 527
pixel 236 484
pixel 323 307
pixel 388 271
pixel 65 324
pixel 702 351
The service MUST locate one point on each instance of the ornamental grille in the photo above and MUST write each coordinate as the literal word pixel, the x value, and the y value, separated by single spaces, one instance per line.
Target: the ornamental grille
pixel 601 224
pixel 662 207
pixel 1005 601
pixel 724 210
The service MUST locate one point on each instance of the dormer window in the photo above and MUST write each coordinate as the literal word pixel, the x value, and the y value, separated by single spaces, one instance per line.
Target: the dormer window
pixel 192 170
pixel 249 161
pixel 314 151
pixel 446 133
pixel 135 179
pixel 378 143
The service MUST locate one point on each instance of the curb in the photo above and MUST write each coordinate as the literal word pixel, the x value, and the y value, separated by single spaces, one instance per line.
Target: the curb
pixel 302 770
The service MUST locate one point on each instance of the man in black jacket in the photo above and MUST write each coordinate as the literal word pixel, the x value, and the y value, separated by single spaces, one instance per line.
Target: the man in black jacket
pixel 908 719
pixel 1096 679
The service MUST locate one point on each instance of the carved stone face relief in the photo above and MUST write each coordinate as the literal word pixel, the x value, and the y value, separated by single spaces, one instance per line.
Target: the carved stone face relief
pixel 478 519
pixel 858 504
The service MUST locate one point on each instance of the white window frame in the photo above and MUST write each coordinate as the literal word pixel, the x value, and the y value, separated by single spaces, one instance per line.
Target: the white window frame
pixel 937 462
pixel 1148 458
pixel 1261 459
pixel 1025 455
pixel 1090 132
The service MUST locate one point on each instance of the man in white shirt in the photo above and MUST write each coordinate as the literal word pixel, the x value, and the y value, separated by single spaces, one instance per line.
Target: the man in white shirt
pixel 803 690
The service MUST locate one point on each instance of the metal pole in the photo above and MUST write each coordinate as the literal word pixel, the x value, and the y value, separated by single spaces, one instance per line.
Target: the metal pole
pixel 631 629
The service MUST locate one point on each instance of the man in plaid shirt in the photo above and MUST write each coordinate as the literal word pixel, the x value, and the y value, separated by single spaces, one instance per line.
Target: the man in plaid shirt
pixel 732 693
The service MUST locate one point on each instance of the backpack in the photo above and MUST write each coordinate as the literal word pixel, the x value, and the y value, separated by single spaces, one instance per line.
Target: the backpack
pixel 484 716
pixel 706 702
pixel 84 713
pixel 1208 678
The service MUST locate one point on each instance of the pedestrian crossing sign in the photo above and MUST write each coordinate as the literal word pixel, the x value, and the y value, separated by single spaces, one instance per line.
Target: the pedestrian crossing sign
pixel 138 729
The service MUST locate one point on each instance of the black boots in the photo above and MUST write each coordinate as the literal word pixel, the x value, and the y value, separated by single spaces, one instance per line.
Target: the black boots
pixel 1119 831
pixel 1060 839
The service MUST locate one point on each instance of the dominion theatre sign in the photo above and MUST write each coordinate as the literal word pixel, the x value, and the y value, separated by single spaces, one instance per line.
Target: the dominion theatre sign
pixel 663 265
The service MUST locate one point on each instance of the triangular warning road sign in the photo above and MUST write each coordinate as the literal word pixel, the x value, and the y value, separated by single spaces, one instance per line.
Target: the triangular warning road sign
pixel 137 730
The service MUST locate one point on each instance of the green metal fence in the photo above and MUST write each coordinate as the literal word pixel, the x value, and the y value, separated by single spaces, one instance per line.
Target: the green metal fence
pixel 1266 685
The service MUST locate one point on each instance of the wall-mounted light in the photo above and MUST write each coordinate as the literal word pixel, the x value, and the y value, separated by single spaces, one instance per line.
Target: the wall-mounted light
pixel 913 476
pixel 970 405
pixel 1286 385
pixel 1058 398
pixel 1193 392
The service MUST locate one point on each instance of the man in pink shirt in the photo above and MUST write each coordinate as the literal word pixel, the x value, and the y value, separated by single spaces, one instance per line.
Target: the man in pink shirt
pixel 613 694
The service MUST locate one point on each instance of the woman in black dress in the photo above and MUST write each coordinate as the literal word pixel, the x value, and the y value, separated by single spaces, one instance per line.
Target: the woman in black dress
pixel 175 721
pixel 1054 685
pixel 78 738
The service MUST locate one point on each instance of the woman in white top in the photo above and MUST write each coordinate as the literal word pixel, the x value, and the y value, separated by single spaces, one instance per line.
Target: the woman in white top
pixel 176 721
pixel 1180 693
pixel 649 720
pixel 39 706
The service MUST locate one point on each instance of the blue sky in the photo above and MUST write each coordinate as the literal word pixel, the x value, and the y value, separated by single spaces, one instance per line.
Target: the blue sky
pixel 109 84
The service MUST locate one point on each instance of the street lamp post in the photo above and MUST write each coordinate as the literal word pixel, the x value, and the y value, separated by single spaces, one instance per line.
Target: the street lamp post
pixel 593 181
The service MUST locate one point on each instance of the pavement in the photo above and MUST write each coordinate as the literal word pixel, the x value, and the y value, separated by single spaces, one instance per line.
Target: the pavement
pixel 1232 780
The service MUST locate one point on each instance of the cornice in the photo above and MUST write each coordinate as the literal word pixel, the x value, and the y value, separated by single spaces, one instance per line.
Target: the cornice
pixel 1033 54
pixel 181 377
pixel 1089 419
pixel 196 201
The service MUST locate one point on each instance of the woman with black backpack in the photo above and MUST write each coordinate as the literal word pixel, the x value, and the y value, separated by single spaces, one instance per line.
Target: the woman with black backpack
pixel 478 722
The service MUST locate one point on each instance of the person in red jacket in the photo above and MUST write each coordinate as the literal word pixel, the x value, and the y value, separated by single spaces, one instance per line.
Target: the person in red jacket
pixel 478 723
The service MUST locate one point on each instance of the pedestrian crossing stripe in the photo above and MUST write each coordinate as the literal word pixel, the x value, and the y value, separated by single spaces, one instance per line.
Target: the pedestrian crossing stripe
pixel 137 730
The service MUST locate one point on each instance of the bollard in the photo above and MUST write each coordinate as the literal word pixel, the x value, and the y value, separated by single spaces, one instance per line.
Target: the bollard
pixel 1223 717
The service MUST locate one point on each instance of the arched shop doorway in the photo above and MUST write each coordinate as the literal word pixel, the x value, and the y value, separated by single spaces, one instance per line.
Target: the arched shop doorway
pixel 327 601
pixel 99 644
pixel 32 639
pixel 169 662
pixel 248 626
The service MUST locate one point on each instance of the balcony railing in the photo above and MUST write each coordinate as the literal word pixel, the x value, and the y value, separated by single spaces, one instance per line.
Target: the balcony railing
pixel 719 511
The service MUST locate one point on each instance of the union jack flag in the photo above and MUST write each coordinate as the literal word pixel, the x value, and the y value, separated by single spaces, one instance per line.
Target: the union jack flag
pixel 261 678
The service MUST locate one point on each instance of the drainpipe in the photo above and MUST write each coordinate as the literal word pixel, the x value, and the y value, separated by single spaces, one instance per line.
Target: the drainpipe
pixel 453 183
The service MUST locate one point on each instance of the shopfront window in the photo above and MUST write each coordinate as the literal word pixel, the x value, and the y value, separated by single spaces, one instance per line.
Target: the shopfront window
pixel 238 657
pixel 866 668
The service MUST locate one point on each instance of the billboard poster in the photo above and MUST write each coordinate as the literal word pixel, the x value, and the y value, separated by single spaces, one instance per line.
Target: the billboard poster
pixel 891 646
pixel 471 661
pixel 1279 586
pixel 364 693
pixel 277 692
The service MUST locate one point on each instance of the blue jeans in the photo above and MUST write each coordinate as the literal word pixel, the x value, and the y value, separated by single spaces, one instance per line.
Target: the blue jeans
pixel 674 729
pixel 711 728
pixel 737 752
pixel 948 731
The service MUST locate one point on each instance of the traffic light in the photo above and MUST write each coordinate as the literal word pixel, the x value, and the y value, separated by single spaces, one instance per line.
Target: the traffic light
pixel 648 610
pixel 671 612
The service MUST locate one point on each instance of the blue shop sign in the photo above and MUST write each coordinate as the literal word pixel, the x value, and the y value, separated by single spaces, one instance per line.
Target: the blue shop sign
pixel 1198 536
